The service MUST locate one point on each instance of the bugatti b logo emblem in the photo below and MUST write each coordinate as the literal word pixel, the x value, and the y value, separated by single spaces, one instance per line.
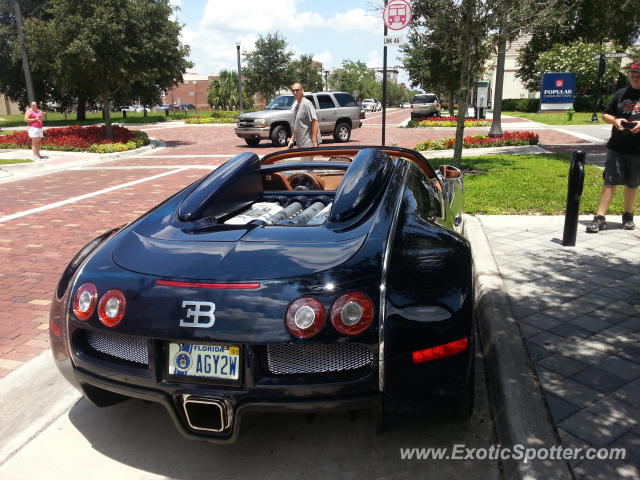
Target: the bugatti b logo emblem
pixel 200 310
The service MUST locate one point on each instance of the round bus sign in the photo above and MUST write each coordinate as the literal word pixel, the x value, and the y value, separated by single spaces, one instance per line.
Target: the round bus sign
pixel 397 14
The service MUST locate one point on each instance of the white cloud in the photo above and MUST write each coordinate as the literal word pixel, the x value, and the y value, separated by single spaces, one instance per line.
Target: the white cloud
pixel 355 19
pixel 258 16
pixel 323 57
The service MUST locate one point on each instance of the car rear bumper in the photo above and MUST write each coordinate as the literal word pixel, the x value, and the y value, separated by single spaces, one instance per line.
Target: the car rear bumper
pixel 231 405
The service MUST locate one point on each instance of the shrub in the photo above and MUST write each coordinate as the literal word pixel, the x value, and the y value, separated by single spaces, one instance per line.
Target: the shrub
pixel 198 120
pixel 531 105
pixel 509 139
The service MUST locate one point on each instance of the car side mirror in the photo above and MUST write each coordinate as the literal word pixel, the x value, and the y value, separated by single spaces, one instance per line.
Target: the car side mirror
pixel 449 171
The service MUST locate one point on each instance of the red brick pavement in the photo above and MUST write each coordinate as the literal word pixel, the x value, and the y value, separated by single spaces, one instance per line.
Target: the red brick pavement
pixel 34 249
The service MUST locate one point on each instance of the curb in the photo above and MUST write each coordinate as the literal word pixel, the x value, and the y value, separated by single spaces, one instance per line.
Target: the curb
pixel 14 171
pixel 31 398
pixel 520 414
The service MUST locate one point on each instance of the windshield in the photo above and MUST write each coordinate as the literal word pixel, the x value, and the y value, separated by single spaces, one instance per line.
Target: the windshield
pixel 283 102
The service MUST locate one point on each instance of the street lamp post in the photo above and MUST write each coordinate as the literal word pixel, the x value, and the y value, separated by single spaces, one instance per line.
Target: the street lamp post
pixel 240 101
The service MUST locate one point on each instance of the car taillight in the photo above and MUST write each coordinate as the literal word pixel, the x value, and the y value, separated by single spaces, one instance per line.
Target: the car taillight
pixel 111 308
pixel 440 351
pixel 84 302
pixel 438 106
pixel 305 317
pixel 352 313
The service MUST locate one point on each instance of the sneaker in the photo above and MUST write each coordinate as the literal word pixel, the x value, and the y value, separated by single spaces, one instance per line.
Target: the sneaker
pixel 599 223
pixel 627 221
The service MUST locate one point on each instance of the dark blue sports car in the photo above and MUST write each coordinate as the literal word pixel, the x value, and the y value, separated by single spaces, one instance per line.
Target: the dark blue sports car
pixel 313 279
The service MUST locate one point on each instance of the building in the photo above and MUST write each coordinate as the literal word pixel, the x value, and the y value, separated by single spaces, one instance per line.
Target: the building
pixel 194 89
pixel 392 75
pixel 512 87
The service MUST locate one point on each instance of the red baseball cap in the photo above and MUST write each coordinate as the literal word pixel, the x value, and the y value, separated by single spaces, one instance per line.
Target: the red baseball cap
pixel 635 67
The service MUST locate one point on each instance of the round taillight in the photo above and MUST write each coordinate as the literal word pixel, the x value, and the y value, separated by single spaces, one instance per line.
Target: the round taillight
pixel 352 313
pixel 111 307
pixel 84 301
pixel 305 317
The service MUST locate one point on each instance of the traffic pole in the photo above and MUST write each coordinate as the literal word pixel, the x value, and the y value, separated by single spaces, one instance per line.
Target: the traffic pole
pixel 384 85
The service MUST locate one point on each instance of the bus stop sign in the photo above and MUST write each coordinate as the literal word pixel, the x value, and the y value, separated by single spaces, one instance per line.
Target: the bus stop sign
pixel 397 14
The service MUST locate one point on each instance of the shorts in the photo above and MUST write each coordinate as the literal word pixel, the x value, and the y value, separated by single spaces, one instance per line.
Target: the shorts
pixel 622 169
pixel 35 132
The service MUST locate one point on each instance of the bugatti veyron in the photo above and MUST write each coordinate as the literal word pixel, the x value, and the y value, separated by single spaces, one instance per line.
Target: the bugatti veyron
pixel 313 279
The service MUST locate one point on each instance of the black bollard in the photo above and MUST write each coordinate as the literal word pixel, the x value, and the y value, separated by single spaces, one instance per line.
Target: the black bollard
pixel 574 193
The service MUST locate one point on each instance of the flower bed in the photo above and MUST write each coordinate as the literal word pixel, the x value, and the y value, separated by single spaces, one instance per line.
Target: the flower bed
pixel 80 139
pixel 446 122
pixel 509 139
pixel 199 120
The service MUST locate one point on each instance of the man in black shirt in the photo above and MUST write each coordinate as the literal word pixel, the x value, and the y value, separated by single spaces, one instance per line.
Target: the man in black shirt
pixel 623 152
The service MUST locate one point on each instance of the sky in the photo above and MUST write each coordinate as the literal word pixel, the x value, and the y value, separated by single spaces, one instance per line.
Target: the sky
pixel 330 30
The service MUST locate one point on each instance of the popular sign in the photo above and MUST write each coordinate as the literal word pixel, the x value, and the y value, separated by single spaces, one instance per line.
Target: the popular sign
pixel 558 88
pixel 397 14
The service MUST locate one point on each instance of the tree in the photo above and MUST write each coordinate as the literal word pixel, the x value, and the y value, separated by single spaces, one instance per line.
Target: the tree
pixel 304 71
pixel 616 21
pixel 355 76
pixel 578 57
pixel 267 67
pixel 223 92
pixel 511 19
pixel 109 48
pixel 459 30
pixel 12 79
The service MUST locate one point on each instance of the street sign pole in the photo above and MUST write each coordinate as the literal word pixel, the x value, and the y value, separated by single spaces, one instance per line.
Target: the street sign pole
pixel 384 84
pixel 601 68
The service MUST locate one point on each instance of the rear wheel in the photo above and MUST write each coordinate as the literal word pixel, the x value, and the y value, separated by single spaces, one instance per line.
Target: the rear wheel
pixel 342 133
pixel 279 136
pixel 252 141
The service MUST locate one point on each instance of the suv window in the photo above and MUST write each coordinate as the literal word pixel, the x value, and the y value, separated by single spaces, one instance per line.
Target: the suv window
pixel 425 99
pixel 283 102
pixel 345 100
pixel 325 101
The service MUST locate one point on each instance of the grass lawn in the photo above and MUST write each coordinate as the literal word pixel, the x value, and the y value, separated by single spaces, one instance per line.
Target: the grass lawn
pixel 526 184
pixel 579 118
pixel 58 120
pixel 7 161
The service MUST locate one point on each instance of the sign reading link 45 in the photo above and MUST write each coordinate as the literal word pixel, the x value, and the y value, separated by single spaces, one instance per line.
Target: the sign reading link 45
pixel 558 91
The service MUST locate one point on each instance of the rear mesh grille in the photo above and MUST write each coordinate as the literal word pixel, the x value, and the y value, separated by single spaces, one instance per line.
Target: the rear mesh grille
pixel 316 358
pixel 124 347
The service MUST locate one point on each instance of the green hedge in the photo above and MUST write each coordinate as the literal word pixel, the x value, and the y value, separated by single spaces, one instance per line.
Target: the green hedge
pixel 532 105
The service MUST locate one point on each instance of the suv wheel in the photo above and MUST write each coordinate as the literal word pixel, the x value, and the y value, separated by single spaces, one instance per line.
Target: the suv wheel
pixel 252 141
pixel 342 133
pixel 279 136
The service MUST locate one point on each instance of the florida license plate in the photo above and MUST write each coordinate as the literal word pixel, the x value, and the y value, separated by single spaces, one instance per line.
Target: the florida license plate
pixel 208 361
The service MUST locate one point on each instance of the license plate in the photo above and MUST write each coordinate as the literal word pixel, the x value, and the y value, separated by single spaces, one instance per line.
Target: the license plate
pixel 207 361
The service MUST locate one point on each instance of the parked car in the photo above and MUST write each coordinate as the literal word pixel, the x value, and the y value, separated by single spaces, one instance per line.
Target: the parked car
pixel 331 278
pixel 165 107
pixel 425 105
pixel 187 106
pixel 405 105
pixel 371 105
pixel 338 114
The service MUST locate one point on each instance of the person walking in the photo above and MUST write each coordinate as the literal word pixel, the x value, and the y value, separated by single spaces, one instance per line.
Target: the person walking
pixel 622 165
pixel 305 121
pixel 33 117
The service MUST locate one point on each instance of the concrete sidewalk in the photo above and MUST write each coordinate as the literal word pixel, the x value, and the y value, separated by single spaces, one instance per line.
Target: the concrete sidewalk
pixel 577 315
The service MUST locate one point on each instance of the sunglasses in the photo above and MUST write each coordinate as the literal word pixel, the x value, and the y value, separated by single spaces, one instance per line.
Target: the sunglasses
pixel 295 90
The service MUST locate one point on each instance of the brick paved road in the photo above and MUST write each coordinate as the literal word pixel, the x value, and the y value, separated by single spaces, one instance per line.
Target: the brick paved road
pixel 35 246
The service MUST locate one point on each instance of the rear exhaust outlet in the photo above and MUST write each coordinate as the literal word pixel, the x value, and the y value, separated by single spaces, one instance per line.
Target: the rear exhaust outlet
pixel 206 414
